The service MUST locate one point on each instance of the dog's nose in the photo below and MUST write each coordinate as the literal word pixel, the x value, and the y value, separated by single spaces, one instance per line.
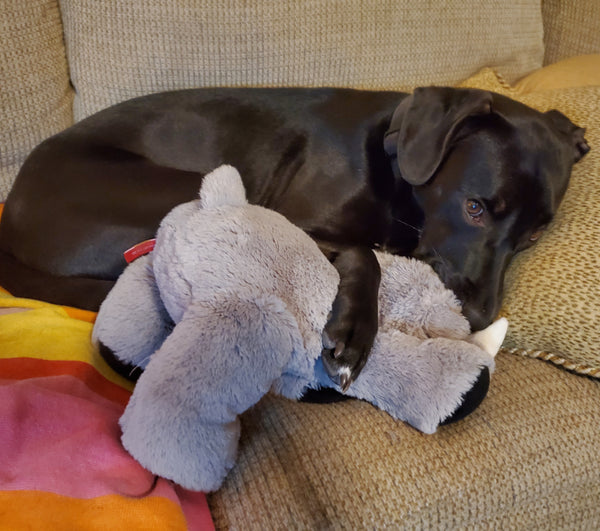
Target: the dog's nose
pixel 479 317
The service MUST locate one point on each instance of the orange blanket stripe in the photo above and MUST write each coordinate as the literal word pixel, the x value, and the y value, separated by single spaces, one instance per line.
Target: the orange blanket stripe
pixel 24 368
pixel 43 510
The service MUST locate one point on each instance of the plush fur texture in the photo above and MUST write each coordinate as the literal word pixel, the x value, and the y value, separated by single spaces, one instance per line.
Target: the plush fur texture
pixel 232 303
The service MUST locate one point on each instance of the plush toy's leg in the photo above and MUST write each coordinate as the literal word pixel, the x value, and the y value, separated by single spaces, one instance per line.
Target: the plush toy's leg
pixel 471 399
pixel 132 322
pixel 490 339
pixel 421 382
pixel 181 422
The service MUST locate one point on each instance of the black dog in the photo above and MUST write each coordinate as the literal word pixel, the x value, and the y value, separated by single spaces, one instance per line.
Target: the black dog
pixel 462 179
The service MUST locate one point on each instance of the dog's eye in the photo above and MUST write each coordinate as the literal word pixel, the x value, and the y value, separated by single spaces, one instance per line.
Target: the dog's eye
pixel 474 208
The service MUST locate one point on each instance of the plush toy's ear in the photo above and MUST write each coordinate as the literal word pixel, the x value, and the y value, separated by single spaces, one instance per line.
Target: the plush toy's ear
pixel 222 187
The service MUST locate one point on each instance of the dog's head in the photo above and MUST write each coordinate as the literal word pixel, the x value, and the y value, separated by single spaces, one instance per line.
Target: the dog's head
pixel 488 174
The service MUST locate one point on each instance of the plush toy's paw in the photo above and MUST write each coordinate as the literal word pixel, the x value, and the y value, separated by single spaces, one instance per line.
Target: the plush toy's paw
pixel 198 462
pixel 132 321
pixel 472 398
pixel 324 395
pixel 126 370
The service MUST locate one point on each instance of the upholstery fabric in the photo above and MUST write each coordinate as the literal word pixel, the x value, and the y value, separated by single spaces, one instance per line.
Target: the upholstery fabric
pixel 570 28
pixel 348 465
pixel 35 95
pixel 142 47
pixel 552 290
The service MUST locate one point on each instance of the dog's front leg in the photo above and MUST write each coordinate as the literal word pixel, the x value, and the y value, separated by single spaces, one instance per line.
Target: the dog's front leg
pixel 350 331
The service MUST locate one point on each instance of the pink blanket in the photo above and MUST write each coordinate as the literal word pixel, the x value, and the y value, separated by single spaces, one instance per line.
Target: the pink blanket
pixel 61 461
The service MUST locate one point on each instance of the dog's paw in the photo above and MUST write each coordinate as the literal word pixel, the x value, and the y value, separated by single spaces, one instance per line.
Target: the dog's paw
pixel 346 349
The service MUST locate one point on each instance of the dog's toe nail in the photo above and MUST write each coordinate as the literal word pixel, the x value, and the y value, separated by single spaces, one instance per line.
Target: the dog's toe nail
pixel 344 382
pixel 345 379
pixel 339 349
pixel 328 343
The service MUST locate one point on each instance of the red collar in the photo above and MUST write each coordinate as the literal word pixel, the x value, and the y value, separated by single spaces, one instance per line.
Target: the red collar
pixel 139 249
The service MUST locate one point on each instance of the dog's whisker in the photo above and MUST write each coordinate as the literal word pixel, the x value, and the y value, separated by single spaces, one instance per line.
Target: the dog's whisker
pixel 419 231
pixel 442 260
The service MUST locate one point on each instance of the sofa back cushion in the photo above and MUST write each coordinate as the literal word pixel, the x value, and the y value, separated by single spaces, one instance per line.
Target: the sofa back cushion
pixel 35 95
pixel 121 49
pixel 570 28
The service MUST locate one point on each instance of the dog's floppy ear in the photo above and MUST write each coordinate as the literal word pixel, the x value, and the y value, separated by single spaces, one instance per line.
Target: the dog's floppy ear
pixel 422 126
pixel 567 129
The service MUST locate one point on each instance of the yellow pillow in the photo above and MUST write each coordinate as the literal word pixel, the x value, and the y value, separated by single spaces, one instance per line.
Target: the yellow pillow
pixel 579 71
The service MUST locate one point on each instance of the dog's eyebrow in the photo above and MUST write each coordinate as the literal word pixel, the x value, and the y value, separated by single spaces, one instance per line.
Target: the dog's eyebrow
pixel 499 205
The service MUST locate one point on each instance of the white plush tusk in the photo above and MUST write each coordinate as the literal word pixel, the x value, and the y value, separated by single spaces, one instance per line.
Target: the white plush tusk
pixel 491 338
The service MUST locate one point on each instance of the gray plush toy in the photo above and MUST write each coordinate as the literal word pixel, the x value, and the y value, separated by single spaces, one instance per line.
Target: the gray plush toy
pixel 231 304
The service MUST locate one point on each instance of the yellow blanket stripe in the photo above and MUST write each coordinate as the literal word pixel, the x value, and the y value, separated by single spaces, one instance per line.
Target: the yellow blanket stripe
pixel 47 332
pixel 76 313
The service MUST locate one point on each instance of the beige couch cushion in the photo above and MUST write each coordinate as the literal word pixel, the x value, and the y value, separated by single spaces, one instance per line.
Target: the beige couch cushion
pixel 552 291
pixel 35 96
pixel 350 466
pixel 118 50
pixel 571 27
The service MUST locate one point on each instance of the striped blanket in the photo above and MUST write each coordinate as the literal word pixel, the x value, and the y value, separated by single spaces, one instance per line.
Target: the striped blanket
pixel 62 465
